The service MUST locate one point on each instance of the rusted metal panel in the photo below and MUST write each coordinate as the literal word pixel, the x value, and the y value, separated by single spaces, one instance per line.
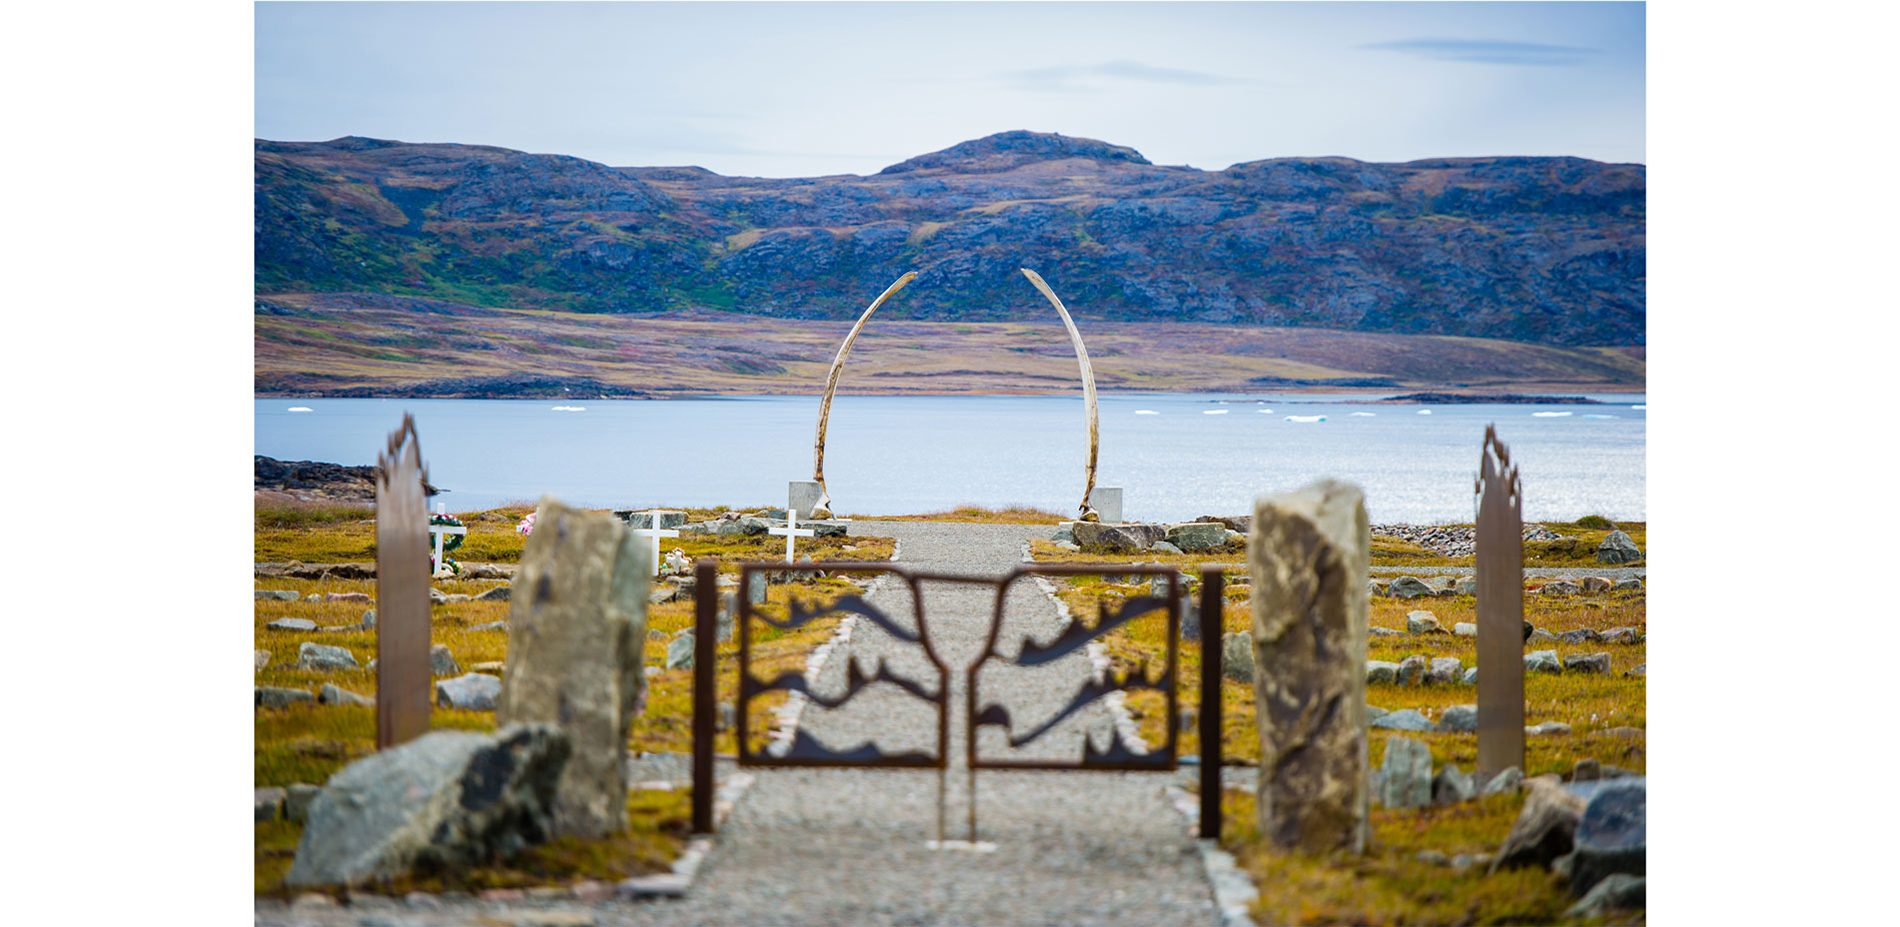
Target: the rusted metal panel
pixel 402 590
pixel 1500 580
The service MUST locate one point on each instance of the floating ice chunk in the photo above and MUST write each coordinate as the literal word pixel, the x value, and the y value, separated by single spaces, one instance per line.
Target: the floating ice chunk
pixel 1214 412
pixel 1612 417
pixel 1266 411
pixel 1549 414
pixel 569 409
pixel 1146 412
pixel 1424 411
pixel 1306 418
pixel 1642 408
pixel 298 409
pixel 1366 414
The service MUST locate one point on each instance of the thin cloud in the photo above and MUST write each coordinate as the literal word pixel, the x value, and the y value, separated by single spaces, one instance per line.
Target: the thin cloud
pixel 1073 78
pixel 1489 51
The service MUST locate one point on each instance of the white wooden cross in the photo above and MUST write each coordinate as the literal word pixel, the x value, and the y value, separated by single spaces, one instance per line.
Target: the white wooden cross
pixel 791 531
pixel 442 508
pixel 653 533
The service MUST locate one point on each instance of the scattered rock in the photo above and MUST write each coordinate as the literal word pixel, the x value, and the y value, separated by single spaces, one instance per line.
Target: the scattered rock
pixel 1547 728
pixel 1405 719
pixel 1451 786
pixel 1506 781
pixel 468 692
pixel 497 594
pixel 1578 636
pixel 1381 671
pixel 1617 892
pixel 1465 629
pixel 369 620
pixel 1540 636
pixel 491 667
pixel 1238 523
pixel 1190 621
pixel 450 798
pixel 1412 670
pixel 441 662
pixel 292 624
pixel 1618 548
pixel 679 653
pixel 1628 585
pixel 1560 587
pixel 1621 636
pixel 1126 538
pixel 1545 828
pixel 1595 584
pixel 1236 656
pixel 655 634
pixel 727 717
pixel 1444 671
pixel 438 597
pixel 501 626
pixel 273 697
pixel 1406 774
pixel 1640 669
pixel 1612 836
pixel 1433 858
pixel 1422 623
pixel 1626 733
pixel 314 597
pixel 332 694
pixel 1588 663
pixel 297 799
pixel 1198 536
pixel 313 656
pixel 1464 861
pixel 347 597
pixel 1376 631
pixel 1542 661
pixel 269 804
pixel 1586 770
pixel 1163 547
pixel 1459 718
pixel 1466 586
pixel 1470 678
pixel 1408 587
pixel 1374 713
pixel 286 595
pixel 1067 545
pixel 262 659
pixel 1376 588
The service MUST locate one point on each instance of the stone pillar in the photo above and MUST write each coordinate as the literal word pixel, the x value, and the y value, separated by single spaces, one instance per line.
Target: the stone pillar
pixel 576 641
pixel 1308 554
pixel 1107 503
pixel 803 495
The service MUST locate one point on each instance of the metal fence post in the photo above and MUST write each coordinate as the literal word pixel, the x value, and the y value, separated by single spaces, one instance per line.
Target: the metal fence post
pixel 705 669
pixel 1212 598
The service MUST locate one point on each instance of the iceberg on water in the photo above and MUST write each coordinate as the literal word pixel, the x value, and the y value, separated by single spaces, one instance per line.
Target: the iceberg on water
pixel 298 409
pixel 1366 414
pixel 1642 408
pixel 1424 411
pixel 1146 412
pixel 1214 412
pixel 569 409
pixel 1266 411
pixel 1611 417
pixel 1306 418
pixel 1549 414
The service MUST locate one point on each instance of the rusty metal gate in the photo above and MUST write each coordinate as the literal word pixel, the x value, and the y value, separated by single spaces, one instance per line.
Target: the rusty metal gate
pixel 806 751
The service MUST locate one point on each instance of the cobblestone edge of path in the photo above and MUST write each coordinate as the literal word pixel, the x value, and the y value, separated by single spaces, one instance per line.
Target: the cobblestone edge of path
pixel 1234 889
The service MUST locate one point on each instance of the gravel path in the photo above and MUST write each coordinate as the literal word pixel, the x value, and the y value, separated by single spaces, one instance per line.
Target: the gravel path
pixel 836 846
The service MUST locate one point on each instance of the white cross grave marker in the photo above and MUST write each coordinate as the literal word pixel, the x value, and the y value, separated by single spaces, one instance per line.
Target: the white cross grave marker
pixel 653 533
pixel 791 531
pixel 442 508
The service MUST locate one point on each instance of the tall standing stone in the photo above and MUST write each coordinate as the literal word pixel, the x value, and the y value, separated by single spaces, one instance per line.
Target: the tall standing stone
pixel 402 590
pixel 576 638
pixel 1500 544
pixel 1309 554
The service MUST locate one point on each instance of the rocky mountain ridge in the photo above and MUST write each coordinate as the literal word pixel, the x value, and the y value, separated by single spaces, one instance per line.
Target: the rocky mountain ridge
pixel 1543 250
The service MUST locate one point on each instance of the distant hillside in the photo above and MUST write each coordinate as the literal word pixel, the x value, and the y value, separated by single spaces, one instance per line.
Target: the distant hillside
pixel 1544 250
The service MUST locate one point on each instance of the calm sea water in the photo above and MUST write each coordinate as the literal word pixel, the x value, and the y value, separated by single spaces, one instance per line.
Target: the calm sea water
pixel 895 455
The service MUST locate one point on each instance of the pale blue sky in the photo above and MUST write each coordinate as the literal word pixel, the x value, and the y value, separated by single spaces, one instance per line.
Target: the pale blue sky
pixel 798 89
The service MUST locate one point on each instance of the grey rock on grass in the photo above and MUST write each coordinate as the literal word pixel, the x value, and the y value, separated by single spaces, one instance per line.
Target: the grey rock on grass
pixel 1381 671
pixel 1506 781
pixel 1542 661
pixel 1465 629
pixel 679 653
pixel 1406 774
pixel 285 595
pixel 297 800
pixel 497 594
pixel 1618 892
pixel 261 658
pixel 1460 718
pixel 1612 835
pixel 1598 663
pixel 468 692
pixel 1546 728
pixel 449 798
pixel 1422 623
pixel 1545 828
pixel 1618 547
pixel 1560 587
pixel 1452 785
pixel 1540 636
pixel 1405 719
pixel 442 662
pixel 1640 669
pixel 1408 587
pixel 1236 656
pixel 332 694
pixel 1412 670
pixel 1197 536
pixel 292 624
pixel 268 804
pixel 1444 671
pixel 1578 636
pixel 369 620
pixel 312 656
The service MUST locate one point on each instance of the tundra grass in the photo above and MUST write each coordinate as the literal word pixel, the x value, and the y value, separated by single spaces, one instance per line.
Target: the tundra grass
pixel 308 742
